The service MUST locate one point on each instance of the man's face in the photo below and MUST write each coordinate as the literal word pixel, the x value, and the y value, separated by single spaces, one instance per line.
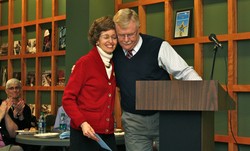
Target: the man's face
pixel 128 37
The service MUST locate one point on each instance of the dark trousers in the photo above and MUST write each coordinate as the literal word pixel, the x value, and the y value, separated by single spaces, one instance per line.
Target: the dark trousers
pixel 80 142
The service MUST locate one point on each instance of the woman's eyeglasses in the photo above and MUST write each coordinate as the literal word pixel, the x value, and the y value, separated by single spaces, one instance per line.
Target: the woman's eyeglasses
pixel 14 88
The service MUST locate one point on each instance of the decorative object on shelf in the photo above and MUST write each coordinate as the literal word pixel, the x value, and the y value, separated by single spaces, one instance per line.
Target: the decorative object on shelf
pixel 46 109
pixel 61 78
pixel 32 108
pixel 31 79
pixel 46 78
pixel 4 49
pixel 3 75
pixel 47 40
pixel 183 23
pixel 17 47
pixel 62 38
pixel 31 46
pixel 17 75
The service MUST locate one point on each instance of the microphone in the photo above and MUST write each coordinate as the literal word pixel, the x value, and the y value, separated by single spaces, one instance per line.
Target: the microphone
pixel 213 38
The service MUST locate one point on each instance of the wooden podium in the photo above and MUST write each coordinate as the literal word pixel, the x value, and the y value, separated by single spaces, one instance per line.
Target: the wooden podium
pixel 186 111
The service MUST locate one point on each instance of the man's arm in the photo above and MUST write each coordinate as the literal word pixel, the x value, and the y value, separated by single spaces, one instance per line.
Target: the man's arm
pixel 174 64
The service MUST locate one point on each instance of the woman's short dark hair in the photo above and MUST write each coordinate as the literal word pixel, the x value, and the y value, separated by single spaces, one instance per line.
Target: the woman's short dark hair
pixel 99 25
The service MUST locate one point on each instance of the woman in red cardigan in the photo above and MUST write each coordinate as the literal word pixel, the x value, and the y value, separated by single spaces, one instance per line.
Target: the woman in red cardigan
pixel 89 95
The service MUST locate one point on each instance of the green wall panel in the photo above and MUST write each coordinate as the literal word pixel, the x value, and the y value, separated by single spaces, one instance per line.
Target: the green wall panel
pixel 47 8
pixel 45 63
pixel 17 34
pixel 244 114
pixel 155 20
pixel 31 10
pixel 31 64
pixel 215 17
pixel 243 15
pixel 17 11
pixel 4 10
pixel 59 95
pixel 243 62
pixel 126 1
pixel 4 36
pixel 183 4
pixel 30 97
pixel 221 146
pixel 105 8
pixel 186 52
pixel 61 7
pixel 220 122
pixel 45 97
pixel 16 64
pixel 243 147
pixel 31 32
pixel 60 60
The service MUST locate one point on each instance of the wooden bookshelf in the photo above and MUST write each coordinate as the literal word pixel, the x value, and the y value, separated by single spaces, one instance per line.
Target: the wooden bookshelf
pixel 31 24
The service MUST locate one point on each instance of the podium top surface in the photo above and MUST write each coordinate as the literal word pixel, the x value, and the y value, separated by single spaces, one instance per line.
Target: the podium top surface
pixel 174 95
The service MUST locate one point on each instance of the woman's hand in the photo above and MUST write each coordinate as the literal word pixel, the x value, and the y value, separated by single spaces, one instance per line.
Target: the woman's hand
pixel 3 109
pixel 88 131
pixel 19 107
pixel 18 110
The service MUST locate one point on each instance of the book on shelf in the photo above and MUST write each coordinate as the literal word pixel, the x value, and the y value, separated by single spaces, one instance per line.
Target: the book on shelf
pixel 31 46
pixel 61 78
pixel 31 80
pixel 17 75
pixel 46 78
pixel 17 47
pixel 3 75
pixel 62 37
pixel 47 40
pixel 4 49
pixel 32 108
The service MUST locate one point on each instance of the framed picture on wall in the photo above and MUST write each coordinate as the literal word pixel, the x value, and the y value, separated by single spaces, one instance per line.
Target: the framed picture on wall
pixel 183 23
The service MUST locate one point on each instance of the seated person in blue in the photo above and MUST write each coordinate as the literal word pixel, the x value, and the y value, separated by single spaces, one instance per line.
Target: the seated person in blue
pixel 58 116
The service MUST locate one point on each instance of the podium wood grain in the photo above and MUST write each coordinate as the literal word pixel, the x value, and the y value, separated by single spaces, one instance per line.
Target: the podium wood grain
pixel 182 96
pixel 186 111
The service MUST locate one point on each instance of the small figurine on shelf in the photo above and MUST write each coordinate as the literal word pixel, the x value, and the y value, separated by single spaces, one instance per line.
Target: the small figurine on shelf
pixel 47 40
pixel 17 47
pixel 31 46
pixel 62 38
pixel 31 78
pixel 46 78
pixel 4 49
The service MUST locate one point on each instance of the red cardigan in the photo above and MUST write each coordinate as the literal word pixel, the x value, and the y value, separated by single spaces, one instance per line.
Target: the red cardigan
pixel 89 94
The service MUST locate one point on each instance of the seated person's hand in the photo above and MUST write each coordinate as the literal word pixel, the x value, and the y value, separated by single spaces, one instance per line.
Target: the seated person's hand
pixel 3 109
